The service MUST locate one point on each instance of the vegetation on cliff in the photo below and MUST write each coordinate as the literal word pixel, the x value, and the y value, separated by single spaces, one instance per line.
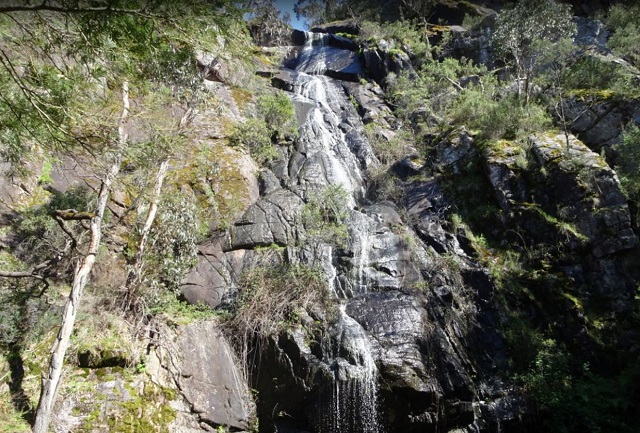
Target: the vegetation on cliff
pixel 105 132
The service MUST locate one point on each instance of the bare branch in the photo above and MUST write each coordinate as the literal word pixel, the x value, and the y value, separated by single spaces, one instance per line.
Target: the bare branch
pixel 48 7
pixel 35 272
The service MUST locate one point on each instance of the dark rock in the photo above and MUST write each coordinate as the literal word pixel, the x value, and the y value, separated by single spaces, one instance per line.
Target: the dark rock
pixel 350 27
pixel 298 37
pixel 591 33
pixel 578 187
pixel 102 358
pixel 599 123
pixel 381 61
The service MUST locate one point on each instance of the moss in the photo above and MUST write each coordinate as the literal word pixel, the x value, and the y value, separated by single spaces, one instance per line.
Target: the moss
pixel 146 412
pixel 241 96
pixel 599 95
pixel 347 35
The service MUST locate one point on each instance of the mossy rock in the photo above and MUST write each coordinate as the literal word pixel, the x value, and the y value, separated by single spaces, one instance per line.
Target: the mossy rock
pixel 101 358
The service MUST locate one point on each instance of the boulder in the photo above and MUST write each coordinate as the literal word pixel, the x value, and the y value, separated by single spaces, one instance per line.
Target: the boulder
pixel 382 60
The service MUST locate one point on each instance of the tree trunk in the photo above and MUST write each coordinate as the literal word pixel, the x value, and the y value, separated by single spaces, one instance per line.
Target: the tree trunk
pixel 135 272
pixel 51 381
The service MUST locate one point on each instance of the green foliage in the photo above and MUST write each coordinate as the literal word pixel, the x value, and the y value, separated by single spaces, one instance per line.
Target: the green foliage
pixel 41 236
pixel 628 161
pixel 61 73
pixel 528 30
pixel 436 99
pixel 275 120
pixel 388 151
pixel 624 21
pixel 324 216
pixel 172 250
pixel 180 312
pixel 266 25
pixel 573 399
pixel 502 118
pixel 254 134
pixel 279 114
pixel 401 34
pixel 433 91
pixel 594 75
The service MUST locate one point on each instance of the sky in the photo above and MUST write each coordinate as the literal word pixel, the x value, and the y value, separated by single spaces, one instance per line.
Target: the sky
pixel 287 6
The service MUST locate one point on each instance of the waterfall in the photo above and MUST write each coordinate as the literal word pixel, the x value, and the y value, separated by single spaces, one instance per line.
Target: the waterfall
pixel 349 402
pixel 313 58
pixel 348 395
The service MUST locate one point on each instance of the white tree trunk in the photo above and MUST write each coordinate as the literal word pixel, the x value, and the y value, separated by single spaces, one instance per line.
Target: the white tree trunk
pixel 135 272
pixel 51 381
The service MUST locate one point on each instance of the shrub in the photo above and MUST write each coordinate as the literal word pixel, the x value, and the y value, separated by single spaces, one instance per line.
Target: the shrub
pixel 271 298
pixel 279 114
pixel 255 135
pixel 628 161
pixel 625 23
pixel 390 150
pixel 172 250
pixel 324 216
pixel 275 120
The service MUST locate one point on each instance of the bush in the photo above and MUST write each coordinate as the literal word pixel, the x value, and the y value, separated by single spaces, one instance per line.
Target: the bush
pixel 624 21
pixel 573 399
pixel 279 115
pixel 324 216
pixel 41 236
pixel 388 151
pixel 255 135
pixel 275 121
pixel 628 161
pixel 172 249
pixel 270 301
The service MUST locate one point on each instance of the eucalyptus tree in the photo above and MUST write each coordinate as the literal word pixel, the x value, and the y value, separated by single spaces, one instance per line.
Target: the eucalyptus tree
pixel 69 71
pixel 528 30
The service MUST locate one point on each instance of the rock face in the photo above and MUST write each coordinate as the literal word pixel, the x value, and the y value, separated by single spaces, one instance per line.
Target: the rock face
pixel 382 60
pixel 576 187
pixel 210 379
pixel 409 319
pixel 409 335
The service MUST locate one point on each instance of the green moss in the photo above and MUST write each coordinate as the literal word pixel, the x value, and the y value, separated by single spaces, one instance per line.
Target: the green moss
pixel 241 96
pixel 601 95
pixel 149 412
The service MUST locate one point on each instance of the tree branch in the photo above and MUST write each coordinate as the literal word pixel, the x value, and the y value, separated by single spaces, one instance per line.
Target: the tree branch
pixel 31 273
pixel 47 7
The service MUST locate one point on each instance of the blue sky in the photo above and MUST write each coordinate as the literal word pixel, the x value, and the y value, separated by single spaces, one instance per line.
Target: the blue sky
pixel 287 6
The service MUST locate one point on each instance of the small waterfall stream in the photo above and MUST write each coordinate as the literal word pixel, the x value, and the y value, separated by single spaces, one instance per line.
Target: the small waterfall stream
pixel 349 400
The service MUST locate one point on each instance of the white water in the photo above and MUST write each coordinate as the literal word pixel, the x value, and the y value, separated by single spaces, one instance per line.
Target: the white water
pixel 349 399
pixel 351 403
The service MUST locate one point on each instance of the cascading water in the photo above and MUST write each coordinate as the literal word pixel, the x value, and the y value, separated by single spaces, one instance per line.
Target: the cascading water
pixel 349 401
pixel 349 395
